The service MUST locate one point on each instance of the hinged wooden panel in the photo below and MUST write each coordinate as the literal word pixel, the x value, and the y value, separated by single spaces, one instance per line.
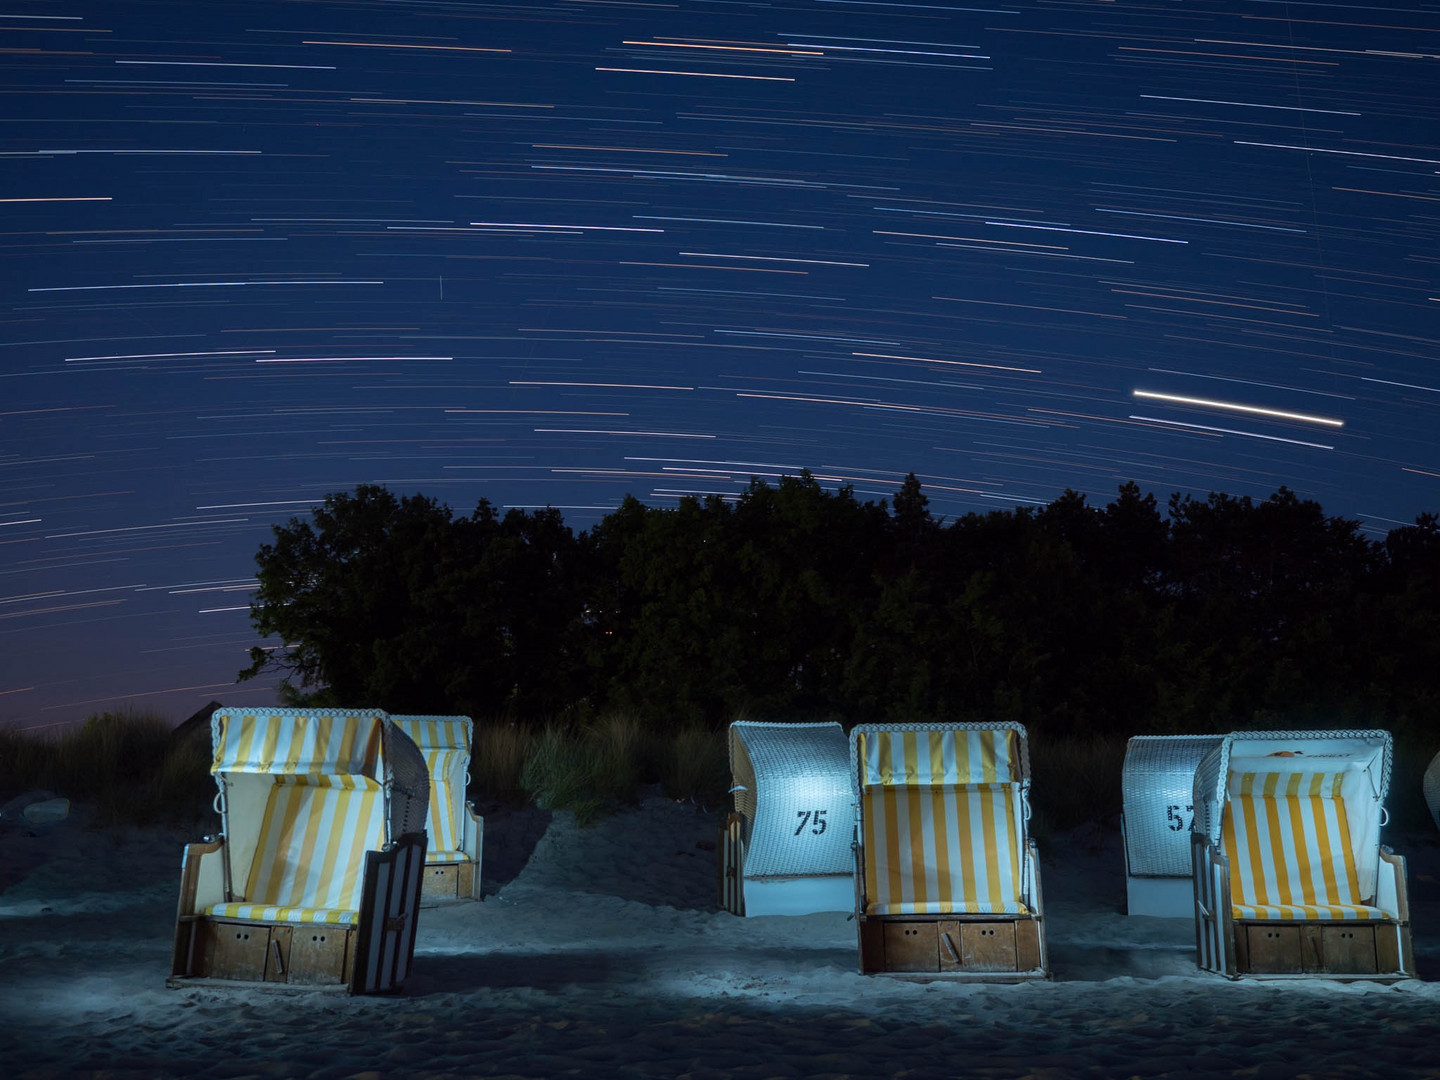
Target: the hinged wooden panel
pixel 1311 948
pixel 1027 945
pixel 232 950
pixel 1388 955
pixel 441 882
pixel 465 881
pixel 872 946
pixel 1275 950
pixel 1349 950
pixel 987 946
pixel 277 955
pixel 318 955
pixel 911 946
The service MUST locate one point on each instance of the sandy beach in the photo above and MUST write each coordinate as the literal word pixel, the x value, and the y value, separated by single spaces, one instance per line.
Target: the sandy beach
pixel 600 952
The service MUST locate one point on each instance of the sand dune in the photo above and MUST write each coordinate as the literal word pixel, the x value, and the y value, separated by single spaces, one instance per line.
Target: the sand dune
pixel 599 952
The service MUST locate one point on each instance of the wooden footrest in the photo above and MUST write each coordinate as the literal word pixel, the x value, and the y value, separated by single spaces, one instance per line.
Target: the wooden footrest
pixel 949 946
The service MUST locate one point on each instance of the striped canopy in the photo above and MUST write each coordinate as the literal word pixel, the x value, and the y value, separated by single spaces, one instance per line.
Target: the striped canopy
pixel 297 741
pixel 445 743
pixel 953 755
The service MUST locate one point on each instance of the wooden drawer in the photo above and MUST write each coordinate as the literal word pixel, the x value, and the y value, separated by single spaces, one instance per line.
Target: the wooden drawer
pixel 987 946
pixel 1274 950
pixel 319 955
pixel 1348 950
pixel 231 950
pixel 911 946
pixel 440 881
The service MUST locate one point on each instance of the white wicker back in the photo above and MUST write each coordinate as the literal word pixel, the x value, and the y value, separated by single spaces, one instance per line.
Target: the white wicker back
pixel 792 786
pixel 1157 784
pixel 1432 789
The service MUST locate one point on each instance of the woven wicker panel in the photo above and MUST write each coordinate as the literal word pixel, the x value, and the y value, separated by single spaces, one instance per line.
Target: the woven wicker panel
pixel 797 802
pixel 1157 785
pixel 407 782
pixel 1432 789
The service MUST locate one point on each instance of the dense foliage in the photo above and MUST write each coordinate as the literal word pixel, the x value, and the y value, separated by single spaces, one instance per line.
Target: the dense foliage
pixel 797 601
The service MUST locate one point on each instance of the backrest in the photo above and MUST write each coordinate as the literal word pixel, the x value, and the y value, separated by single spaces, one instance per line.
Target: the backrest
pixel 1288 840
pixel 943 813
pixel 942 844
pixel 1157 789
pixel 792 788
pixel 445 742
pixel 313 837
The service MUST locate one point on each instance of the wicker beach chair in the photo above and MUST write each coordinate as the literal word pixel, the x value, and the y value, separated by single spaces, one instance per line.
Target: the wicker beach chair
pixel 1290 876
pixel 1158 785
pixel 315 878
pixel 947 879
pixel 1430 787
pixel 786 850
pixel 456 833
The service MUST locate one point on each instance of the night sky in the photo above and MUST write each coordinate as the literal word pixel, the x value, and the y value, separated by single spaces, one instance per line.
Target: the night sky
pixel 555 252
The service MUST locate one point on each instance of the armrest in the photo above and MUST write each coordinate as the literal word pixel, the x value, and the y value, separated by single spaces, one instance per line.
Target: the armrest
pixel 202 877
pixel 472 834
pixel 1390 890
pixel 1214 920
pixel 1032 872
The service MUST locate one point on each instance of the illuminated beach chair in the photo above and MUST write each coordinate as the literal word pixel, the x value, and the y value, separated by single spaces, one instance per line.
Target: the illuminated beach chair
pixel 786 850
pixel 456 832
pixel 315 878
pixel 947 879
pixel 1158 787
pixel 1290 877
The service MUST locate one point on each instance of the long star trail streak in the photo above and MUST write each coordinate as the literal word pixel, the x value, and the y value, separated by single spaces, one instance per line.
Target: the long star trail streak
pixel 256 252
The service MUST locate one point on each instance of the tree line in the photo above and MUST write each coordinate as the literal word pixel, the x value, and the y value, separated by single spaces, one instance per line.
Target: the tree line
pixel 796 601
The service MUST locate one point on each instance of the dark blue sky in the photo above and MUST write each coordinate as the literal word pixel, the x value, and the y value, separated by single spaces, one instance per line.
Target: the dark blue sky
pixel 555 252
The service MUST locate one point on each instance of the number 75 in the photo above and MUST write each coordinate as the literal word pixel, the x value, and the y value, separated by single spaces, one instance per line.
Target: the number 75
pixel 814 818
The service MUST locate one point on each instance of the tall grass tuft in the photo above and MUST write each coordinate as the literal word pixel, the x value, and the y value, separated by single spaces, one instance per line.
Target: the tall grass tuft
pixel 125 764
pixel 1075 779
pixel 696 765
pixel 497 759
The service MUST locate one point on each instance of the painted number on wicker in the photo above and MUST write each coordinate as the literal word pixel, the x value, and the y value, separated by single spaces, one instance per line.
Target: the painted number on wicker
pixel 814 818
pixel 1176 821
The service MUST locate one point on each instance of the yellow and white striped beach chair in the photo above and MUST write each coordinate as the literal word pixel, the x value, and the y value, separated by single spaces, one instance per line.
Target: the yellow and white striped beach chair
pixel 456 833
pixel 947 880
pixel 316 876
pixel 1290 876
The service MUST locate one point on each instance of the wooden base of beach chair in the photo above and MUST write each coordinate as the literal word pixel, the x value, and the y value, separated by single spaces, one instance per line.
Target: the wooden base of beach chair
pixel 970 947
pixel 445 883
pixel 298 955
pixel 1349 950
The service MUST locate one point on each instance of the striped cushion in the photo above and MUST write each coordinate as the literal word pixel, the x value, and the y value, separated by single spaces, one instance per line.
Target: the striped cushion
pixel 1292 911
pixel 943 848
pixel 938 757
pixel 446 856
pixel 1288 839
pixel 271 913
pixel 311 852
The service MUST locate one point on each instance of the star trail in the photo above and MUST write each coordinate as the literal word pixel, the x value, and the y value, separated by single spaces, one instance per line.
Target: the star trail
pixel 551 253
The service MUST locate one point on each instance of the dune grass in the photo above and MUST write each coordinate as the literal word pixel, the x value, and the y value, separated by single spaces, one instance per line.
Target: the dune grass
pixel 1074 779
pixel 124 764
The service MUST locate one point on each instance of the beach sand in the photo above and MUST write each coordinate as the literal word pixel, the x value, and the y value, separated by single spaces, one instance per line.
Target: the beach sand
pixel 600 952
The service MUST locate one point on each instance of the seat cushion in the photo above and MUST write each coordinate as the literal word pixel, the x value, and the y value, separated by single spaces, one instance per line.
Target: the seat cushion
pixel 273 914
pixel 942 848
pixel 1307 912
pixel 446 857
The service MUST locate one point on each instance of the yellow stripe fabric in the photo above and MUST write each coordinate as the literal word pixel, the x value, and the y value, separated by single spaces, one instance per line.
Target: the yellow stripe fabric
pixel 942 848
pixel 313 838
pixel 939 757
pixel 272 913
pixel 292 742
pixel 1288 839
pixel 445 743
